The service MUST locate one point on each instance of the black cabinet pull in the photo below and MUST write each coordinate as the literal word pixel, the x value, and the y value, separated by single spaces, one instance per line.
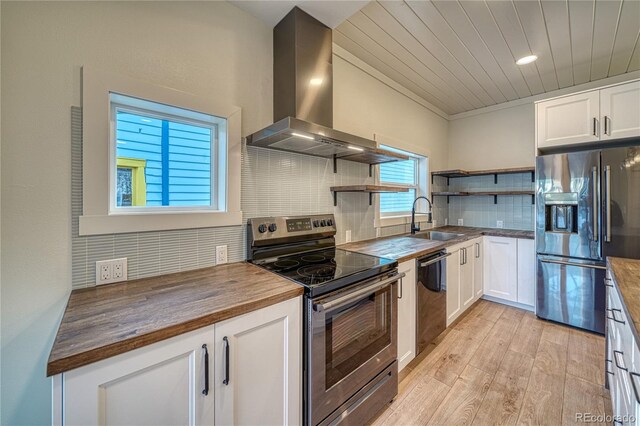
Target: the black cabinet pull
pixel 226 360
pixel 206 370
pixel 615 359
pixel 633 384
pixel 613 315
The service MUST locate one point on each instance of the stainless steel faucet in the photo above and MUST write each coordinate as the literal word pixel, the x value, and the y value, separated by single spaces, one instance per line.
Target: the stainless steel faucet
pixel 429 214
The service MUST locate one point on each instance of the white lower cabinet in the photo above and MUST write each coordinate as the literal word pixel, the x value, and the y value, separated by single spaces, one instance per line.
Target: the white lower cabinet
pixel 478 267
pixel 622 360
pixel 526 272
pixel 463 285
pixel 407 314
pixel 509 270
pixel 165 383
pixel 454 304
pixel 500 268
pixel 159 384
pixel 258 367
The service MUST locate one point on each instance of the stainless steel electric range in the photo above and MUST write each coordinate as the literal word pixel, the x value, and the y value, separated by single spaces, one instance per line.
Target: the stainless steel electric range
pixel 350 312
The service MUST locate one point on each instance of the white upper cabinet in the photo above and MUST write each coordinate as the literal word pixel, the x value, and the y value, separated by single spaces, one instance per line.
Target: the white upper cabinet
pixel 597 115
pixel 258 365
pixel 568 120
pixel 500 268
pixel 407 314
pixel 620 111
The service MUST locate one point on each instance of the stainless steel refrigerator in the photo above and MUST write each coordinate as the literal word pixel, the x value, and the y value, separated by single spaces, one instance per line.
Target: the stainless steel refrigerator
pixel 587 208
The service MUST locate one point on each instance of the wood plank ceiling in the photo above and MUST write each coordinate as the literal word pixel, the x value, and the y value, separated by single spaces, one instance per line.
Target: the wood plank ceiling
pixel 460 55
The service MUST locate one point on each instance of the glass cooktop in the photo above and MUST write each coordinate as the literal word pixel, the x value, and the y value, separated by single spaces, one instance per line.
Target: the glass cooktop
pixel 321 271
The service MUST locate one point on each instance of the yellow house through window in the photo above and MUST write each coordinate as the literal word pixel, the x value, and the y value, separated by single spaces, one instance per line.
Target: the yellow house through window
pixel 131 185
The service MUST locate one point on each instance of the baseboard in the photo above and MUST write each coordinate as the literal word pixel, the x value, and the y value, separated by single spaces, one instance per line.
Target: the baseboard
pixel 509 303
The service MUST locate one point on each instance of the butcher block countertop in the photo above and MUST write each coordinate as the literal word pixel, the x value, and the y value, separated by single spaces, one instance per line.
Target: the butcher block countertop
pixel 101 322
pixel 626 277
pixel 403 247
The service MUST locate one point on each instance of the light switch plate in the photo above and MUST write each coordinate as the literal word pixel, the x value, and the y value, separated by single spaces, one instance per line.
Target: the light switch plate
pixel 221 255
pixel 460 222
pixel 500 224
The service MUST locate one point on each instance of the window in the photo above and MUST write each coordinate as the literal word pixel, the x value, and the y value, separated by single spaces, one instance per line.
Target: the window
pixel 156 158
pixel 165 156
pixel 407 173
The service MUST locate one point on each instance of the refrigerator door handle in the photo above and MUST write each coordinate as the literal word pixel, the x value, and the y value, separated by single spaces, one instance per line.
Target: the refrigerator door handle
pixel 607 204
pixel 563 262
pixel 594 178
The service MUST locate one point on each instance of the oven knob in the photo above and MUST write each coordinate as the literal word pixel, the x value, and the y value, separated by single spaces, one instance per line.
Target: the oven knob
pixel 316 223
pixel 262 228
pixel 323 222
pixel 272 227
pixel 329 222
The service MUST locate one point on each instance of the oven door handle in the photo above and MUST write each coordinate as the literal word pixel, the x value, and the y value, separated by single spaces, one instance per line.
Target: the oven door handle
pixel 355 295
pixel 437 259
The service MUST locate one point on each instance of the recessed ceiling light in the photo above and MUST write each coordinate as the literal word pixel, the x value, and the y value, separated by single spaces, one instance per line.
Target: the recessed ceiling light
pixel 526 60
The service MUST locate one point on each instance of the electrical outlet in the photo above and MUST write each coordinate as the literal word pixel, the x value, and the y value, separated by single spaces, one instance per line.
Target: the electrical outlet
pixel 111 271
pixel 500 224
pixel 460 222
pixel 347 238
pixel 119 269
pixel 221 255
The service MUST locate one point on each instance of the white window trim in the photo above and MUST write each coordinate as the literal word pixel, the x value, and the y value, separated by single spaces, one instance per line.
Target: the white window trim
pixel 423 167
pixel 96 218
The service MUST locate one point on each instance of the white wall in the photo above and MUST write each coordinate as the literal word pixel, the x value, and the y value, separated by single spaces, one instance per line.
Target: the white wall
pixel 207 48
pixel 494 139
pixel 365 106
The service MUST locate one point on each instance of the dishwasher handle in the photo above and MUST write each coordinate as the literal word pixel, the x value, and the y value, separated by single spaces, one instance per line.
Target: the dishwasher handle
pixel 432 261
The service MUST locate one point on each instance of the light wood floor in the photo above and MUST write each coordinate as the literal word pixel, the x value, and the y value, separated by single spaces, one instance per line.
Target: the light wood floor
pixel 501 365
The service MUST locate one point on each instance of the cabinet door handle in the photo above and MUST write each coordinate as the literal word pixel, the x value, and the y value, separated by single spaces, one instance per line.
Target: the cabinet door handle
pixel 605 125
pixel 606 281
pixel 400 292
pixel 615 359
pixel 205 391
pixel 595 126
pixel 477 250
pixel 606 370
pixel 226 360
pixel 461 256
pixel 633 384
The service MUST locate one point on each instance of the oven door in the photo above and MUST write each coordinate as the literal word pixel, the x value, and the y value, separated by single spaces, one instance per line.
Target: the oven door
pixel 353 338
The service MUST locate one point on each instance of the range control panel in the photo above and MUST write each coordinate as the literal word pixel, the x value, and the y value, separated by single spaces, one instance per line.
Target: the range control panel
pixel 283 227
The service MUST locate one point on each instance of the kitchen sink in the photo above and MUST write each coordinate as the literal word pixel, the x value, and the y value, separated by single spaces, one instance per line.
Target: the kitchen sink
pixel 436 235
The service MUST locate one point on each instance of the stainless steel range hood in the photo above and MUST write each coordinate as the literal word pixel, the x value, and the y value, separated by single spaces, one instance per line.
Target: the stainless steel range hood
pixel 303 97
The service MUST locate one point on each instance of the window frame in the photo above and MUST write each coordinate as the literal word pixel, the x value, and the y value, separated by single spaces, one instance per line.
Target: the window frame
pixel 216 173
pixel 423 188
pixel 97 128
pixel 416 185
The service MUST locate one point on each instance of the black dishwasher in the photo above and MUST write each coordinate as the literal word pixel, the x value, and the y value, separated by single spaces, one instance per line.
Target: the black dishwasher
pixel 431 299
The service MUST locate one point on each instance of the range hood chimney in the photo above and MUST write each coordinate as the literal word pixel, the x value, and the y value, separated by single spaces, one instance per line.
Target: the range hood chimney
pixel 302 69
pixel 303 97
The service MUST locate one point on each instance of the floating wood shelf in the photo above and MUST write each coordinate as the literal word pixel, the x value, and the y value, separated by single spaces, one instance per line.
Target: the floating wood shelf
pixel 370 156
pixel 493 194
pixel 457 173
pixel 370 189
